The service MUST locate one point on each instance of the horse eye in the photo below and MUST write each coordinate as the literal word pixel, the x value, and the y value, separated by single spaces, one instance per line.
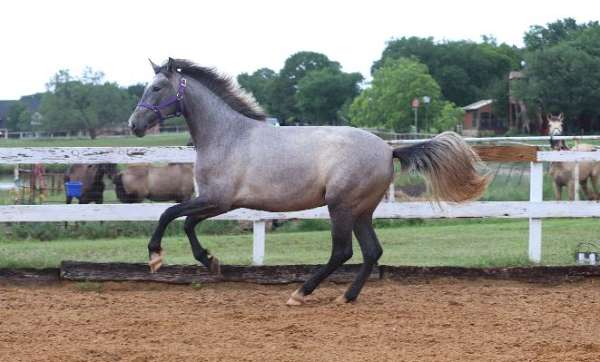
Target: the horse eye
pixel 155 89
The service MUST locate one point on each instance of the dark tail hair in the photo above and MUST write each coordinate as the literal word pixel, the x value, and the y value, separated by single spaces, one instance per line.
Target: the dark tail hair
pixel 449 164
pixel 119 189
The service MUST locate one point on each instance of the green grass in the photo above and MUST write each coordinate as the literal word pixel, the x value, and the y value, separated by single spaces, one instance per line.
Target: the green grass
pixel 472 243
pixel 165 139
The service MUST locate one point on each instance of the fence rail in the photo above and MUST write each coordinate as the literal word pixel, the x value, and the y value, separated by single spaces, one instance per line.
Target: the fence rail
pixel 535 209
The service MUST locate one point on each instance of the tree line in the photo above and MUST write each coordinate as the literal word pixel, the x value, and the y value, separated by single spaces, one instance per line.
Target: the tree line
pixel 560 67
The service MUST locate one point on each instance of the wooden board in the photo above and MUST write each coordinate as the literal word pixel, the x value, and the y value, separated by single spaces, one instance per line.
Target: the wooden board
pixel 506 153
pixel 385 210
pixel 188 274
pixel 281 274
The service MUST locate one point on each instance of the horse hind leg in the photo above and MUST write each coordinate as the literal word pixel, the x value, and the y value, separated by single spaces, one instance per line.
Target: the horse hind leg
pixel 371 251
pixel 341 235
pixel 200 254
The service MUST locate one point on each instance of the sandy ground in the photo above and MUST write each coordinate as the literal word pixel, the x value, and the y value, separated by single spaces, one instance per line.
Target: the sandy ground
pixel 443 320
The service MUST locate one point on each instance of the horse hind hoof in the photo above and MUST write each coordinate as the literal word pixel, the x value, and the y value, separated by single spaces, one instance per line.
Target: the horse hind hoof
pixel 156 261
pixel 297 298
pixel 342 300
pixel 215 266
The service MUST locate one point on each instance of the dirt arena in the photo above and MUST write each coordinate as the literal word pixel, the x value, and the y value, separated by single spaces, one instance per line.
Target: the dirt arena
pixel 440 320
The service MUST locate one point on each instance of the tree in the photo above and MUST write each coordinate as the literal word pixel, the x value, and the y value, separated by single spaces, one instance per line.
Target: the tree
pixel 13 117
pixel 463 69
pixel 283 88
pixel 387 103
pixel 259 84
pixel 85 103
pixel 562 78
pixel 322 93
pixel 449 117
pixel 539 37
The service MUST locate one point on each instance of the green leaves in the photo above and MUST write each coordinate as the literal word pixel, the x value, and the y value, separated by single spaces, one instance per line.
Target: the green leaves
pixel 387 103
pixel 87 103
pixel 563 71
pixel 309 88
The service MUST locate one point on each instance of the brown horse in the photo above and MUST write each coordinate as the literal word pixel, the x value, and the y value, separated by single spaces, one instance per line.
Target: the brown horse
pixel 91 177
pixel 562 172
pixel 172 182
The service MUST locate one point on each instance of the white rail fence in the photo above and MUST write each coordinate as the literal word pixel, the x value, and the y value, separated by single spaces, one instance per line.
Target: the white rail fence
pixel 535 209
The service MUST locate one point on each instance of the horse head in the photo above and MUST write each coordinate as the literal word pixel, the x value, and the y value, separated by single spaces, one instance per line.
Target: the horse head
pixel 162 99
pixel 555 128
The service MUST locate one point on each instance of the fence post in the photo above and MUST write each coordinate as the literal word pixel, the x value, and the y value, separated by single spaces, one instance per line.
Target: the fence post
pixel 391 193
pixel 576 182
pixel 258 242
pixel 536 192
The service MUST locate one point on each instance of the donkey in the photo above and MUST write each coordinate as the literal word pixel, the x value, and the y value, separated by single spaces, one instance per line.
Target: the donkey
pixel 174 181
pixel 91 177
pixel 562 172
pixel 244 163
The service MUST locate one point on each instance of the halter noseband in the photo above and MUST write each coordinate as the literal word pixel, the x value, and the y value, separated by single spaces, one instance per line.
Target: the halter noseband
pixel 176 100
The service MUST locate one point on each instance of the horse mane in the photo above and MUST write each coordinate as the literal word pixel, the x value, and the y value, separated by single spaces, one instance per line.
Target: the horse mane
pixel 222 86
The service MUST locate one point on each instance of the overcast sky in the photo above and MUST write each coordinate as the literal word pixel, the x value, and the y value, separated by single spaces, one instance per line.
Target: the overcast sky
pixel 40 37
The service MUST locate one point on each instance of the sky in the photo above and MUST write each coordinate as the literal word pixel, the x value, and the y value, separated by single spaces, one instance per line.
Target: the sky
pixel 38 38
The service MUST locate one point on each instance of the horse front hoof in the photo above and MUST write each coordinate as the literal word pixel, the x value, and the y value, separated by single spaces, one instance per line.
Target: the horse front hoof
pixel 215 266
pixel 156 261
pixel 297 298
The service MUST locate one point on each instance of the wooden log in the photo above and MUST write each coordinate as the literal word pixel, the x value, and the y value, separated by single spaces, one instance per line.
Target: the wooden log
pixel 188 274
pixel 506 153
pixel 530 274
pixel 29 275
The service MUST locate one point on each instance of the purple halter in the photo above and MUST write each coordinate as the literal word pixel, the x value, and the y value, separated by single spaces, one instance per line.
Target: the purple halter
pixel 176 100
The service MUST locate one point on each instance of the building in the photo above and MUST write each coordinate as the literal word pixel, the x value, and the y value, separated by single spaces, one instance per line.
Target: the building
pixel 480 120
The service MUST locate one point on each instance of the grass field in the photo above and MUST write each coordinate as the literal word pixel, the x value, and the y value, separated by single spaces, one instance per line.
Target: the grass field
pixel 474 243
pixel 165 139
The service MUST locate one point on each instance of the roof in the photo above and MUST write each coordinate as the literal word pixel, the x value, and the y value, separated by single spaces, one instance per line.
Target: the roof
pixel 477 105
pixel 515 74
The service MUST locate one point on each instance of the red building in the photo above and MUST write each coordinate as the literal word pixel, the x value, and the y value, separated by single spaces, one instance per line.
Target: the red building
pixel 480 120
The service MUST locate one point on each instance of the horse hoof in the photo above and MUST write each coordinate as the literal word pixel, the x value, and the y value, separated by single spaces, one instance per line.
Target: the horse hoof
pixel 296 299
pixel 341 299
pixel 155 262
pixel 215 266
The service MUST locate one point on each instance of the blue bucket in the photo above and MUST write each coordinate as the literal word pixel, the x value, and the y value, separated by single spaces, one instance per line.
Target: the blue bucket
pixel 73 188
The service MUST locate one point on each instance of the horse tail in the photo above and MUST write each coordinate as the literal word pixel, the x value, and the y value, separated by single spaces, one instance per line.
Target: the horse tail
pixel 449 164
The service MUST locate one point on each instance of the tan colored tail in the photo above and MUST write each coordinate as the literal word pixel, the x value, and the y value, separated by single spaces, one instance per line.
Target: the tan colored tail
pixel 449 164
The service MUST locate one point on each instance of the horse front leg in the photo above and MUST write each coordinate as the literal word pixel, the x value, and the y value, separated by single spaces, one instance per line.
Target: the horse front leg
pixel 196 206
pixel 557 191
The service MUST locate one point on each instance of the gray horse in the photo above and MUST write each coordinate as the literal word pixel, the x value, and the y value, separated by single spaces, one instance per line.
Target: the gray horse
pixel 244 163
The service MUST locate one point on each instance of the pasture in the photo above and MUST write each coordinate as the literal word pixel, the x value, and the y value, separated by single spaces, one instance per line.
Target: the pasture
pixel 482 243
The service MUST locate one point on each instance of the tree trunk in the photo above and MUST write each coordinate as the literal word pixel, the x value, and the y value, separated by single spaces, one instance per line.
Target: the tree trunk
pixel 92 132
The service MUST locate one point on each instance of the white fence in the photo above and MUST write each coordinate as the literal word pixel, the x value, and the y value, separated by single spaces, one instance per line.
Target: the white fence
pixel 535 210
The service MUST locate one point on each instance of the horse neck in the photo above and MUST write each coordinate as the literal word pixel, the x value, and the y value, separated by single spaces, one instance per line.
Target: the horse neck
pixel 211 121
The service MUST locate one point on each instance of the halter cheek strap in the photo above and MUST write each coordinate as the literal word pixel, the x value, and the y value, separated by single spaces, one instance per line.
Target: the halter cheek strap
pixel 176 100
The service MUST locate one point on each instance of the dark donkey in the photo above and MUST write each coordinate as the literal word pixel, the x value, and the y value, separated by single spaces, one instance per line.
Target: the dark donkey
pixel 91 177
pixel 244 163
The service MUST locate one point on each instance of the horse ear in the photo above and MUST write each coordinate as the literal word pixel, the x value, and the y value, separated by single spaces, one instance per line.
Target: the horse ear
pixel 548 118
pixel 170 64
pixel 561 116
pixel 155 67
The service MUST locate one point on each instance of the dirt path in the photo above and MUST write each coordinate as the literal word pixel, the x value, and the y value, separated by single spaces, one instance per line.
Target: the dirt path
pixel 443 320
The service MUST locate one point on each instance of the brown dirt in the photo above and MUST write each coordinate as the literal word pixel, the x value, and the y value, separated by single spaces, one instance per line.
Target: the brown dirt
pixel 445 319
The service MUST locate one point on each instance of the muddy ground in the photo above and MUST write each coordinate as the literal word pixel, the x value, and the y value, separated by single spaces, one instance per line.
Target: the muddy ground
pixel 441 320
